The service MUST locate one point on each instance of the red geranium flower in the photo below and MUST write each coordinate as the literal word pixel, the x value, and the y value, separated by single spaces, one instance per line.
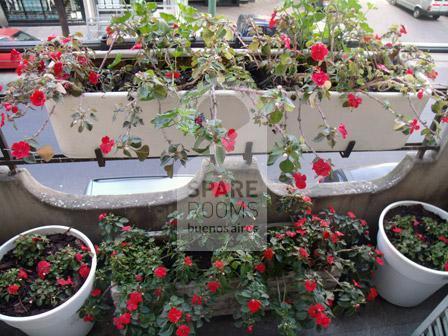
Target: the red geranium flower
pixel 63 282
pixel 353 100
pixel 43 268
pixel 420 94
pixel 228 141
pixel 102 216
pixel 351 215
pixel 403 30
pixel 268 254
pixel 126 228
pixel 58 68
pixel 320 78
pixel 409 72
pixel 22 274
pixel 109 30
pixel 13 289
pixel 122 320
pixel 93 77
pixel 188 262
pixel 315 310
pixel 172 74
pixel 106 144
pixel 286 40
pixel 372 294
pixel 413 126
pixel 174 315
pixel 134 299
pixel 136 46
pixel 310 285
pixel 330 260
pixel 78 257
pixel 20 150
pixel 219 264
pixel 250 329
pixel 379 261
pixel 342 130
pixel 321 167
pixel 260 268
pixel 183 330
pixel 37 98
pixel 273 21
pixel 84 271
pixel 160 272
pixel 95 292
pixel 303 252
pixel 88 318
pixel 445 267
pixel 213 286
pixel 254 305
pixel 15 55
pixel 220 188
pixel 319 51
pixel 300 180
pixel 323 320
pixel 196 299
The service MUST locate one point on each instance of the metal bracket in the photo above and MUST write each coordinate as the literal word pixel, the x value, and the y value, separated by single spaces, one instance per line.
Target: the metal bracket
pixel 100 158
pixel 248 155
pixel 348 150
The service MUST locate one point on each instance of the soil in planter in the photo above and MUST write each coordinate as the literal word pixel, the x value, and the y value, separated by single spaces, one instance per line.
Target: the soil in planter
pixel 21 304
pixel 419 231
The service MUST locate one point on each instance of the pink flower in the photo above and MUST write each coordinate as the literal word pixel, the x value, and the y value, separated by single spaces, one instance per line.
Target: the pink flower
pixel 342 130
pixel 310 285
pixel 102 216
pixel 382 67
pixel 160 272
pixel 353 101
pixel 228 141
pixel 413 126
pixel 126 228
pixel 319 51
pixel 106 144
pixel 286 40
pixel 43 268
pixel 320 78
pixel 20 150
pixel 136 46
pixel 351 215
pixel 420 94
pixel 300 180
pixel 321 167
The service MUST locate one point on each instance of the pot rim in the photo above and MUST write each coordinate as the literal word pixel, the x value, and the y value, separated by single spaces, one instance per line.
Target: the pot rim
pixel 89 278
pixel 389 244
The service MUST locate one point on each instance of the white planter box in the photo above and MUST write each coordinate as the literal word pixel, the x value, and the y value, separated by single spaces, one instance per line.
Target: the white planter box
pixel 402 281
pixel 64 319
pixel 370 125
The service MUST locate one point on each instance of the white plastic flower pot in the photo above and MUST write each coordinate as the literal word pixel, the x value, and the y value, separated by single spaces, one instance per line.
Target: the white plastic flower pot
pixel 64 319
pixel 402 281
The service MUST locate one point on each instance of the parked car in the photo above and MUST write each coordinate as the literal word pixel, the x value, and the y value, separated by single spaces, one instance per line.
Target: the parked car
pixel 433 8
pixel 12 35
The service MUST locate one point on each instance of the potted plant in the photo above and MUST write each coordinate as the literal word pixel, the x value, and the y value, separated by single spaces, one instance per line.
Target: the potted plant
pixel 316 267
pixel 290 83
pixel 46 275
pixel 412 236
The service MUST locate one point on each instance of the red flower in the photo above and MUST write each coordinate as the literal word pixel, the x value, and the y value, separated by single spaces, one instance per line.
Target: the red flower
pixel 15 55
pixel 323 320
pixel 420 94
pixel 330 260
pixel 320 78
pixel 356 283
pixel 196 299
pixel 351 215
pixel 315 310
pixel 13 289
pixel 102 216
pixel 220 188
pixel 342 130
pixel 88 318
pixel 413 126
pixel 55 56
pixel 78 257
pixel 58 69
pixel 300 180
pixel 396 229
pixel 409 72
pixel 160 272
pixel 136 46
pixel 95 292
pixel 43 268
pixel 254 305
pixel 122 320
pixel 250 329
pixel 403 30
pixel 273 21
pixel 109 30
pixel 63 282
pixel 22 274
pixel 268 254
pixel 106 144
pixel 353 100
pixel 188 262
pixel 93 77
pixel 286 40
pixel 444 120
pixel 51 37
pixel 219 264
pixel 173 74
pixel 37 98
pixel 319 51
pixel 310 285
pixel 134 299
pixel 126 228
pixel 372 294
pixel 213 286
pixel 84 271
pixel 183 330
pixel 139 278
pixel 158 292
pixel 228 141
pixel 303 252
pixel 445 267
pixel 379 261
pixel 20 150
pixel 260 268
pixel 174 315
pixel 321 167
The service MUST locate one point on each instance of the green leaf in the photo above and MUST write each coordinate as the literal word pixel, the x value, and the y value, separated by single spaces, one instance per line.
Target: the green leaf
pixel 116 61
pixel 286 166
pixel 220 154
pixel 143 152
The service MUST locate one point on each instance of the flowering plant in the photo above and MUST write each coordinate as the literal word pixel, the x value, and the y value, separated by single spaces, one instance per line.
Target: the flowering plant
pixel 311 52
pixel 311 270
pixel 420 235
pixel 42 272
